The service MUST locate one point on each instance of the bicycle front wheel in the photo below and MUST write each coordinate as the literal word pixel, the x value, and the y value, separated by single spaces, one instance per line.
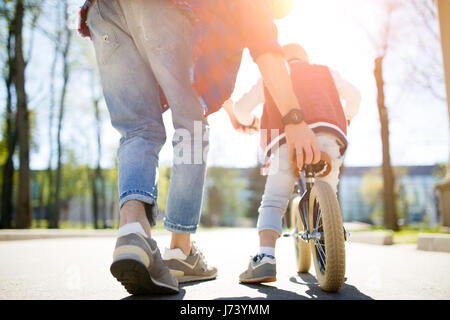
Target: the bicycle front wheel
pixel 327 244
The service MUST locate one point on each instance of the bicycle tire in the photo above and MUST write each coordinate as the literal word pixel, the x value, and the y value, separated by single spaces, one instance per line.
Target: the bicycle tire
pixel 302 251
pixel 330 270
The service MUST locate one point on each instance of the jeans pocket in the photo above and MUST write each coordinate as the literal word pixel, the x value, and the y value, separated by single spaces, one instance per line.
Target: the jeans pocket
pixel 102 32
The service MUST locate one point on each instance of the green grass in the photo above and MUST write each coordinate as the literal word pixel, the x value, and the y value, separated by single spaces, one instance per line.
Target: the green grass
pixel 408 234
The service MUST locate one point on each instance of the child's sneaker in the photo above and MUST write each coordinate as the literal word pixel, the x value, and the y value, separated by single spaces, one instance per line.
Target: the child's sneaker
pixel 262 268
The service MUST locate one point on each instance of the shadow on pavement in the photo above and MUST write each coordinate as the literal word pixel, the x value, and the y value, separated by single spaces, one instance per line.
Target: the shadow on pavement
pixel 178 296
pixel 272 293
pixel 347 292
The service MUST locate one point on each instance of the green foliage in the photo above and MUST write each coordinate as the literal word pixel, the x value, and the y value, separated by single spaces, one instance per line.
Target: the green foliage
pixel 163 187
pixel 223 195
pixel 256 187
pixel 441 170
pixel 372 192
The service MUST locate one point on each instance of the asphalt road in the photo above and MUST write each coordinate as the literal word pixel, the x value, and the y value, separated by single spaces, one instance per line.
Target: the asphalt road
pixel 78 268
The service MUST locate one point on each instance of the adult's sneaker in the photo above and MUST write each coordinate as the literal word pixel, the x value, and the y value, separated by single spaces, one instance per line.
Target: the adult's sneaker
pixel 261 268
pixel 188 268
pixel 138 265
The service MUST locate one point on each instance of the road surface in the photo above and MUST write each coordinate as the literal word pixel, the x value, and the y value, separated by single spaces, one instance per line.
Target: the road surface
pixel 78 268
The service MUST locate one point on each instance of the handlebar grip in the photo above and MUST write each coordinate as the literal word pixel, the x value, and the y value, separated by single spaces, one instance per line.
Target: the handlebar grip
pixel 325 162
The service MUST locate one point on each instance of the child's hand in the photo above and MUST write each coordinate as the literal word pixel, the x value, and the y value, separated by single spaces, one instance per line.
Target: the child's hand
pixel 244 129
pixel 254 127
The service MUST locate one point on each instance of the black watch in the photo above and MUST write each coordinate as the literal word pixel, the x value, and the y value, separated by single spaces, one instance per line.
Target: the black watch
pixel 295 116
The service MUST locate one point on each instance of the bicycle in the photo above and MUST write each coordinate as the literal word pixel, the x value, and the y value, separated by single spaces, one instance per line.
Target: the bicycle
pixel 318 229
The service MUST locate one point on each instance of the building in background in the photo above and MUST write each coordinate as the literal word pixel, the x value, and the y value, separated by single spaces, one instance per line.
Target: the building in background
pixel 361 199
pixel 232 197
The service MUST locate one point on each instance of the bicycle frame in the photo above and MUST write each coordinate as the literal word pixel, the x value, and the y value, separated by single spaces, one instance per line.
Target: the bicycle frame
pixel 304 200
pixel 303 209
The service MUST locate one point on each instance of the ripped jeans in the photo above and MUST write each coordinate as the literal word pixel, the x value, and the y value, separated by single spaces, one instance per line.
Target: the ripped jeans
pixel 281 180
pixel 142 46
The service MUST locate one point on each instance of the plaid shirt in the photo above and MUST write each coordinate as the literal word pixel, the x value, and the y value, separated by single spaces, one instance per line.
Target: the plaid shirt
pixel 223 28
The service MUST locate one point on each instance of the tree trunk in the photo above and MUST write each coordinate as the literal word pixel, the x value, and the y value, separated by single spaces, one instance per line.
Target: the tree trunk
pixel 50 178
pixel 99 181
pixel 390 215
pixel 444 23
pixel 66 74
pixel 94 199
pixel 8 167
pixel 24 216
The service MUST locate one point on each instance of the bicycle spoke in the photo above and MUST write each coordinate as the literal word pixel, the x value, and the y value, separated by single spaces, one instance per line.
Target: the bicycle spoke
pixel 321 252
pixel 318 219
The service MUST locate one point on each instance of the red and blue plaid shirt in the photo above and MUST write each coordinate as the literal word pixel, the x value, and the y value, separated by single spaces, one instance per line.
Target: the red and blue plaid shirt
pixel 223 28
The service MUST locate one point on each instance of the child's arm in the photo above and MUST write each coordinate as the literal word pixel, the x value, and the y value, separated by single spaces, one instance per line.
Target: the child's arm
pixel 349 93
pixel 243 108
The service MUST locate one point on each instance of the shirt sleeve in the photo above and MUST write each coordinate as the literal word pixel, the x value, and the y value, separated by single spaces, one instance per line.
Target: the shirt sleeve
pixel 248 102
pixel 257 27
pixel 349 93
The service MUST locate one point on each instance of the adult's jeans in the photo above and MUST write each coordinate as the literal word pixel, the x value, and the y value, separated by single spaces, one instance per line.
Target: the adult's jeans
pixel 142 46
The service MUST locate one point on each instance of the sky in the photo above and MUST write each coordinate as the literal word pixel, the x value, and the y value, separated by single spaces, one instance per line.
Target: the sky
pixel 334 34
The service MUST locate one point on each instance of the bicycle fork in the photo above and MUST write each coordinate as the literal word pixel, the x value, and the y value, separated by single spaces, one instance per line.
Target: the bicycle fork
pixel 305 235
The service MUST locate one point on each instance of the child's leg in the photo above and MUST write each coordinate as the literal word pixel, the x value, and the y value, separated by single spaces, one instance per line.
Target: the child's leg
pixel 278 189
pixel 328 143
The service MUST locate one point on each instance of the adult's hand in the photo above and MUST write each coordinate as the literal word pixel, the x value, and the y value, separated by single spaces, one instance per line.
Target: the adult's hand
pixel 302 144
pixel 300 138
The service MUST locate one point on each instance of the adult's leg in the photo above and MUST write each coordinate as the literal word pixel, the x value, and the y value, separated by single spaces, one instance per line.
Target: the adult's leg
pixel 169 53
pixel 132 96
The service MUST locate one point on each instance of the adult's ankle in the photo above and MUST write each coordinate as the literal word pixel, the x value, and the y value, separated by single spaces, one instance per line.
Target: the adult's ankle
pixel 134 211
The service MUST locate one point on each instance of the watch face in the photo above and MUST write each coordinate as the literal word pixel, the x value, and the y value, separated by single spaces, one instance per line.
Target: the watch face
pixel 294 116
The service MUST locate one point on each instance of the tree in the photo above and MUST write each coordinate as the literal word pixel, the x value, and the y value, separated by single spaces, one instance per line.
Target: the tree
pixel 56 39
pixel 10 130
pixel 17 131
pixel 381 43
pixel 23 219
pixel 389 197
pixel 67 38
pixel 428 74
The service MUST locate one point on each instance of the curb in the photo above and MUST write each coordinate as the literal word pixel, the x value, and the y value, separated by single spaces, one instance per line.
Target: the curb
pixel 33 234
pixel 433 242
pixel 373 237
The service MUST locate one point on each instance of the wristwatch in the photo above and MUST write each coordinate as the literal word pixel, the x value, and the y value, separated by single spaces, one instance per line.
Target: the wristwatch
pixel 295 116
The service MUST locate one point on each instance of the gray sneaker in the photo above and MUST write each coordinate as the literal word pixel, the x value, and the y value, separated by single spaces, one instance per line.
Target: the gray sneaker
pixel 189 268
pixel 138 265
pixel 261 268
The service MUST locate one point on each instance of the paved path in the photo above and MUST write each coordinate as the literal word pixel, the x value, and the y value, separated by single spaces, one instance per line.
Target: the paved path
pixel 78 268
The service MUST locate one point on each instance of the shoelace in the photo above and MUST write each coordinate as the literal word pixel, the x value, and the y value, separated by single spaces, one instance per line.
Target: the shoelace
pixel 257 258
